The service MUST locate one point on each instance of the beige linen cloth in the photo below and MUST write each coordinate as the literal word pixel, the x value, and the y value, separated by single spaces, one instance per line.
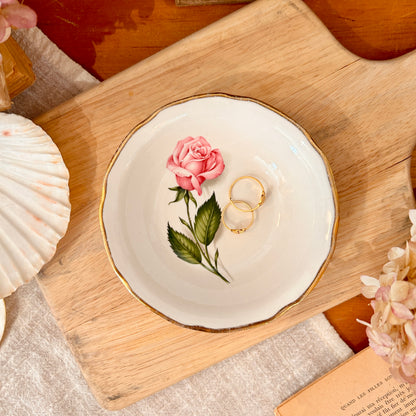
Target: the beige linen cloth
pixel 38 374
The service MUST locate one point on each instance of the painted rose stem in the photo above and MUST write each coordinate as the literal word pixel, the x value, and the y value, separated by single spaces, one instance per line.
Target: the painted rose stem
pixel 193 161
pixel 203 230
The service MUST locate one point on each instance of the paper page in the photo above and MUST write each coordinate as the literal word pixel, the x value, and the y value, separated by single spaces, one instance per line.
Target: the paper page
pixel 362 386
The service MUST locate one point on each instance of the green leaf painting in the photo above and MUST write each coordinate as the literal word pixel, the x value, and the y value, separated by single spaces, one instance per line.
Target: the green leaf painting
pixel 207 221
pixel 180 194
pixel 184 247
pixel 216 257
pixel 191 197
pixel 195 250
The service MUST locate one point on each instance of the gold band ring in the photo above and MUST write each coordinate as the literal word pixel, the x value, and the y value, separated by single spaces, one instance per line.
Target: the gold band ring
pixel 237 230
pixel 262 194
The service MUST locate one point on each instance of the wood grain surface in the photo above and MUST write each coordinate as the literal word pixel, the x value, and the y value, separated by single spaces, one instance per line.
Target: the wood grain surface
pixel 208 2
pixel 359 112
pixel 17 67
pixel 106 36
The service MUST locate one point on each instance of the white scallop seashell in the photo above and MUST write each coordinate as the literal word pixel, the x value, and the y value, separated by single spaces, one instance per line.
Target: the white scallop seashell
pixel 2 317
pixel 34 200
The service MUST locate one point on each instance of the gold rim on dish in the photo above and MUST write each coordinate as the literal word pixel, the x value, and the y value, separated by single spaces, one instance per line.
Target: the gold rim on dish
pixel 331 179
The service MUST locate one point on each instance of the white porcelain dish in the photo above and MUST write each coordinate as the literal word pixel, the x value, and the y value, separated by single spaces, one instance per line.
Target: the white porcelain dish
pixel 34 200
pixel 273 265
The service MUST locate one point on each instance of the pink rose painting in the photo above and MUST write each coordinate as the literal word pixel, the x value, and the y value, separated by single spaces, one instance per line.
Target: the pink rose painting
pixel 193 161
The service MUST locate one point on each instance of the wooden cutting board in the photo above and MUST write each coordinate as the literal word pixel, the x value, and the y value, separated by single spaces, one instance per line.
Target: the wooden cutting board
pixel 207 2
pixel 361 113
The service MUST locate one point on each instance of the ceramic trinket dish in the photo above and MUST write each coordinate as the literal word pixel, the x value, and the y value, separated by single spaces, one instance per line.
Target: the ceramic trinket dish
pixel 152 211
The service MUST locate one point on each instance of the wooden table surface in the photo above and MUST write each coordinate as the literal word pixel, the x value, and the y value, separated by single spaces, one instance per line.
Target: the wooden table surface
pixel 106 37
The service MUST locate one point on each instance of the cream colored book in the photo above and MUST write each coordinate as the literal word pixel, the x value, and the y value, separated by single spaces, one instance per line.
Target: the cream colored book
pixel 361 386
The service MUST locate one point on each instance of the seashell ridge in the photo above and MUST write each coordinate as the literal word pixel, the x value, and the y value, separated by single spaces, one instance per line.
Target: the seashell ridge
pixel 34 200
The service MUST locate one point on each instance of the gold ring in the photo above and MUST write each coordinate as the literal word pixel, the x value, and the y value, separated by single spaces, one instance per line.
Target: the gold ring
pixel 237 230
pixel 262 195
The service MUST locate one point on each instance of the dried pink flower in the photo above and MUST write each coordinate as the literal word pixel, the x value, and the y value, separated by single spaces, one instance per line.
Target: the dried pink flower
pixel 392 329
pixel 15 14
